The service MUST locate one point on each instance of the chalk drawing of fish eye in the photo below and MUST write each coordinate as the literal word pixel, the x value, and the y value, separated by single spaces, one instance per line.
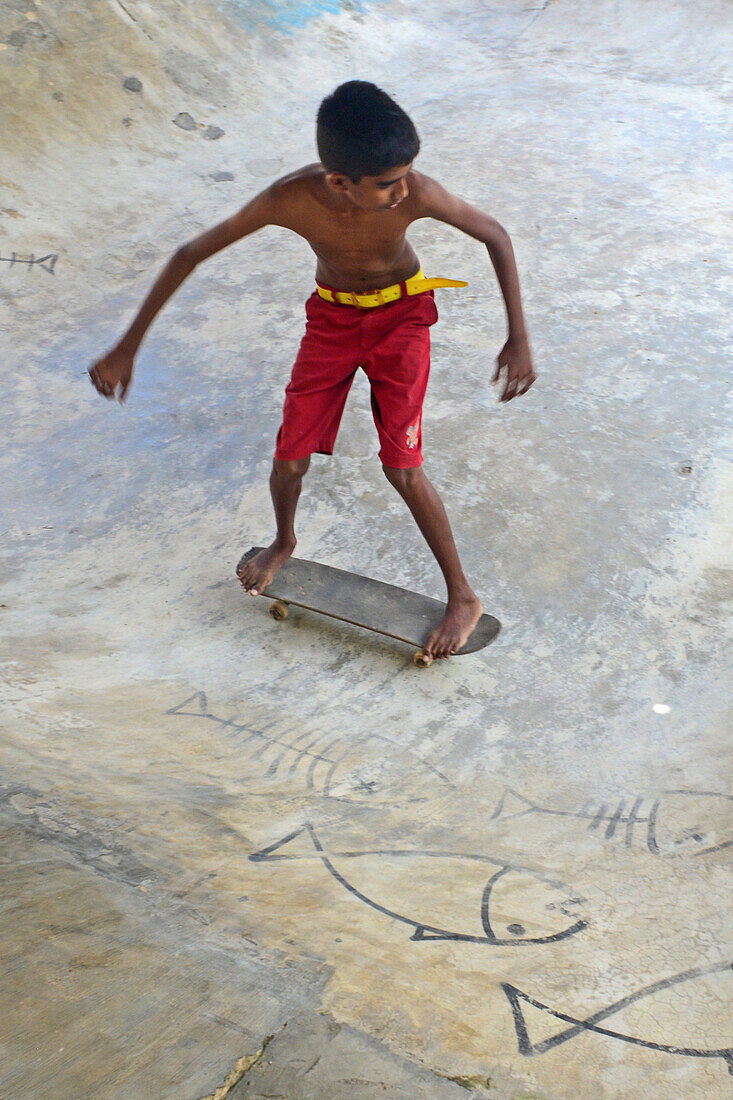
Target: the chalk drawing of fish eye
pixel 549 911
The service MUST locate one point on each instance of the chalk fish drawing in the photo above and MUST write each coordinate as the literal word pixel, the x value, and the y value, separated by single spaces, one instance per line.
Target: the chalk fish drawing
pixel 506 906
pixel 521 1005
pixel 679 822
pixel 47 262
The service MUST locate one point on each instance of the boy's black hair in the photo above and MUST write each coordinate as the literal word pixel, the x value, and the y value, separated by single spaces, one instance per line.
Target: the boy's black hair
pixel 361 131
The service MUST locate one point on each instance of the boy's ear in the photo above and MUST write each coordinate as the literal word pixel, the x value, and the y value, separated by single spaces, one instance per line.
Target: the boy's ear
pixel 337 181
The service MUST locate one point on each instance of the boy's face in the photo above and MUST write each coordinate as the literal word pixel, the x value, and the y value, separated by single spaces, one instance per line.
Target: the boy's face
pixel 372 193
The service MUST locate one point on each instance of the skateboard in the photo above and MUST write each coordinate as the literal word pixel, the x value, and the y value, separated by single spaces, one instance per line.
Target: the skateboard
pixel 351 598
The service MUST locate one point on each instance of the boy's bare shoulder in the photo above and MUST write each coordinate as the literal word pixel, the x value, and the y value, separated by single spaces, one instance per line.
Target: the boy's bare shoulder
pixel 429 197
pixel 432 200
pixel 308 176
pixel 304 185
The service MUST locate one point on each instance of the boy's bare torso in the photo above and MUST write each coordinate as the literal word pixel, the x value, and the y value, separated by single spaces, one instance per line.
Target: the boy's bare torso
pixel 356 249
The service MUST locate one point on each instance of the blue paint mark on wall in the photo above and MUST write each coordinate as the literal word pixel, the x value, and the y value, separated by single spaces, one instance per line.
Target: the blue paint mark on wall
pixel 289 15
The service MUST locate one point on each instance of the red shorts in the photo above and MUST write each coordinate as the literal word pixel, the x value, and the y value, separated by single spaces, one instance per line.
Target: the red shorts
pixel 392 346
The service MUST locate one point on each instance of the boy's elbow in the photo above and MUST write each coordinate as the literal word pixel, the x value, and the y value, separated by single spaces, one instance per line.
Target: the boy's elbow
pixel 496 235
pixel 499 245
pixel 185 256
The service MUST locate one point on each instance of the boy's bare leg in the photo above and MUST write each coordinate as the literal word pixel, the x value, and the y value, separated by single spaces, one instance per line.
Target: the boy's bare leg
pixel 464 607
pixel 286 480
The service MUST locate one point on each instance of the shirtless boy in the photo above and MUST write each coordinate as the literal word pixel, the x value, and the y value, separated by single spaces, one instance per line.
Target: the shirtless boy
pixel 372 308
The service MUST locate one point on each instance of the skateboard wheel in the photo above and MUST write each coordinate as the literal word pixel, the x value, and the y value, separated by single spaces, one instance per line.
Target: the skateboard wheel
pixel 422 660
pixel 279 610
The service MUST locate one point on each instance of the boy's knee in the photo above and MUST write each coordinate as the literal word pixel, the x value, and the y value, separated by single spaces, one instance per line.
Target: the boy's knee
pixel 403 479
pixel 295 468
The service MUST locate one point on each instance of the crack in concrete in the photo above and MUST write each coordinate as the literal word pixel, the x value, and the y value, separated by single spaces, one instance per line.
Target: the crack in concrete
pixel 132 19
pixel 242 1066
pixel 474 1082
pixel 311 1068
pixel 540 12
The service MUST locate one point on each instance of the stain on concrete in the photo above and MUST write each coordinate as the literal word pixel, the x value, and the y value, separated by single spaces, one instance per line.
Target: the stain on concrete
pixel 37 815
pixel 184 121
pixel 291 15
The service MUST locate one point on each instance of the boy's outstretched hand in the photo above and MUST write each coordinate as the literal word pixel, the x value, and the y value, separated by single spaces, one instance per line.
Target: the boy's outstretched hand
pixel 112 374
pixel 516 359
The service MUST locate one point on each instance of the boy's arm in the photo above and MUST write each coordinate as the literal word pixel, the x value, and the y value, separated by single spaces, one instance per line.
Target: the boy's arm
pixel 112 374
pixel 515 357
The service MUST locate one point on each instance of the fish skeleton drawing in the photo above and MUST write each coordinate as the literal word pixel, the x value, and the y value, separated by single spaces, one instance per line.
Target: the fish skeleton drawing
pixel 319 760
pixel 471 898
pixel 714 975
pixel 678 822
pixel 47 262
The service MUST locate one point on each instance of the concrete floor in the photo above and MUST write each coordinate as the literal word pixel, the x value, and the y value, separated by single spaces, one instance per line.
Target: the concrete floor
pixel 247 859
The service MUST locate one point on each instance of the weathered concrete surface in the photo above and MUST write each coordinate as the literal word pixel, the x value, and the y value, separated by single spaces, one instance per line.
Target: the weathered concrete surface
pixel 319 1059
pixel 509 869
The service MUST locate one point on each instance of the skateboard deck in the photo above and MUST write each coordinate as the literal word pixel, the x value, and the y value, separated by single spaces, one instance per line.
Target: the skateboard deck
pixel 374 605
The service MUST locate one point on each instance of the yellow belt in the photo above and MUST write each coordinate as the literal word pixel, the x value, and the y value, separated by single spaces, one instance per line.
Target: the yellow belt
pixel 417 284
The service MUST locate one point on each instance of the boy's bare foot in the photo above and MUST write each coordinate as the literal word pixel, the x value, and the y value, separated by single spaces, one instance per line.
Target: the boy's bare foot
pixel 461 615
pixel 259 571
